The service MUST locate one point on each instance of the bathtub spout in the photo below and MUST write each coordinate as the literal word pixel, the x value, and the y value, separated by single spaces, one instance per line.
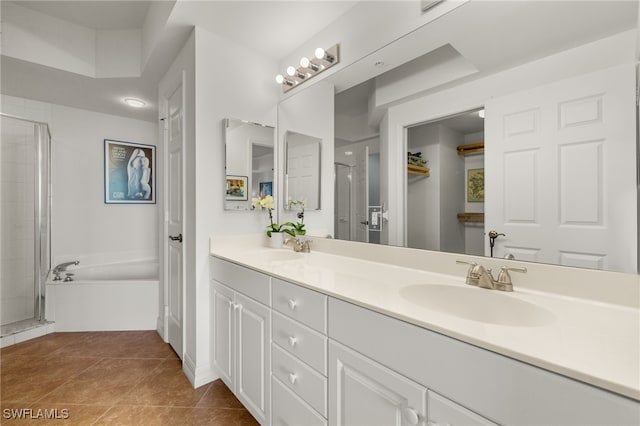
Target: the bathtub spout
pixel 61 268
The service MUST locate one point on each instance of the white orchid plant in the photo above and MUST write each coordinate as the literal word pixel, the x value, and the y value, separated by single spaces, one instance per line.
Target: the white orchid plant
pixel 298 227
pixel 267 203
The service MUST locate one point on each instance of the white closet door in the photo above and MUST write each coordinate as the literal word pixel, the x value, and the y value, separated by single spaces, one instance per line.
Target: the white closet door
pixel 560 182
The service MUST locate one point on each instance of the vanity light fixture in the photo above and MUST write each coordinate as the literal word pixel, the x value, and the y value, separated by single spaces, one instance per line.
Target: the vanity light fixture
pixel 323 60
pixel 135 103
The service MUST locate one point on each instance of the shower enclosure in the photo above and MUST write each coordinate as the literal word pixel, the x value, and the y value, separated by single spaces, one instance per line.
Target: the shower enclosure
pixel 25 200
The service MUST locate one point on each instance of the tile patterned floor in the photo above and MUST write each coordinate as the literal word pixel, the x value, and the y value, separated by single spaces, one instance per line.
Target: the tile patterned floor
pixel 107 378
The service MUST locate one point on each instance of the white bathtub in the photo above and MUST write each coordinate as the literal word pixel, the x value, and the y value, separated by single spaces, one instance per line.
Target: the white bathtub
pixel 120 296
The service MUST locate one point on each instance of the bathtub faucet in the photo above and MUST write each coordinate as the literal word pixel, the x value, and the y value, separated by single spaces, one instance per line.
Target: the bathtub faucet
pixel 61 268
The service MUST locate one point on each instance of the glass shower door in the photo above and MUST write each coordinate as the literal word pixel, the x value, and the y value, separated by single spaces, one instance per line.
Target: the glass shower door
pixel 24 222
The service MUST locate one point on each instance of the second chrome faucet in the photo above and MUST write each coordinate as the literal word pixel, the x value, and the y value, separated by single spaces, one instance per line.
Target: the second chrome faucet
pixel 478 275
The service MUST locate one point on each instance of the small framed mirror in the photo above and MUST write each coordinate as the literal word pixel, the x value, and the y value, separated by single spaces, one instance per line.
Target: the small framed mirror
pixel 249 160
pixel 302 173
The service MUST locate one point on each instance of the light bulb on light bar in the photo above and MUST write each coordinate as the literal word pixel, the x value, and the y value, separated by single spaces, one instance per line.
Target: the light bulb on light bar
pixel 320 53
pixel 135 103
pixel 291 71
pixel 279 78
pixel 306 63
pixel 481 113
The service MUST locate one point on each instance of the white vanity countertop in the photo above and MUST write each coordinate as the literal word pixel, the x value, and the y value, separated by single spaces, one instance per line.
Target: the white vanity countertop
pixel 594 342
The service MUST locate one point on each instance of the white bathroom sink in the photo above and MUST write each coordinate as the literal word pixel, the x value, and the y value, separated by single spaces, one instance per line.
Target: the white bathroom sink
pixel 478 304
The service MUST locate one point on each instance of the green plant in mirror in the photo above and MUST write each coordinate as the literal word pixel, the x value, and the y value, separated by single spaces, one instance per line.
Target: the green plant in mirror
pixel 298 228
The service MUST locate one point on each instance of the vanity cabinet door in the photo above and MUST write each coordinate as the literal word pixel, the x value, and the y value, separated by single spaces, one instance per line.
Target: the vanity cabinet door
pixel 241 351
pixel 253 334
pixel 363 392
pixel 222 300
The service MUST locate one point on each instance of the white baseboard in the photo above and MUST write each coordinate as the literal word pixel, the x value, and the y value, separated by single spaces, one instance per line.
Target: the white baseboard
pixel 198 375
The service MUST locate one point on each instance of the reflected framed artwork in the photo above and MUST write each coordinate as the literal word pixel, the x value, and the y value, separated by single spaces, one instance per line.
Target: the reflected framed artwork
pixel 266 188
pixel 236 188
pixel 475 185
pixel 129 173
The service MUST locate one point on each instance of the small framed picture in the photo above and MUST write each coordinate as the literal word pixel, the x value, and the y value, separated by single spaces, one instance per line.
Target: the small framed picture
pixel 129 173
pixel 475 185
pixel 236 188
pixel 266 188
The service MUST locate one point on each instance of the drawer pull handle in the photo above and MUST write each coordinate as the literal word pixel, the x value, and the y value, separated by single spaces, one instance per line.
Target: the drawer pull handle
pixel 293 378
pixel 292 341
pixel 412 417
pixel 292 304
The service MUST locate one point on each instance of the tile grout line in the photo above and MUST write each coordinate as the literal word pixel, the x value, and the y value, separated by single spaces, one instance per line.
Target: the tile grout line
pixel 70 379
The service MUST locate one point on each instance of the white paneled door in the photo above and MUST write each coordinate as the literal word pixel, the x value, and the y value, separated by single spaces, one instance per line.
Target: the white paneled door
pixel 559 180
pixel 175 213
pixel 303 182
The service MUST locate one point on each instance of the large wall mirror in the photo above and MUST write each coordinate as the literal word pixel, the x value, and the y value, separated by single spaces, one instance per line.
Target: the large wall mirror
pixel 302 170
pixel 546 122
pixel 249 160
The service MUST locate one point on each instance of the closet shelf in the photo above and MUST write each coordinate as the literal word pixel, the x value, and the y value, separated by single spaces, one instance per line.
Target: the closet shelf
pixel 471 217
pixel 472 148
pixel 418 170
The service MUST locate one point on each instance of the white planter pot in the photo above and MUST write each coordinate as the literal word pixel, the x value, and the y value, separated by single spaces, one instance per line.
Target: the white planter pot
pixel 276 239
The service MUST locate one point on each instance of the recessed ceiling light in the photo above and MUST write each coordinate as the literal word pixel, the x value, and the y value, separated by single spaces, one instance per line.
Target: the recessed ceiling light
pixel 133 102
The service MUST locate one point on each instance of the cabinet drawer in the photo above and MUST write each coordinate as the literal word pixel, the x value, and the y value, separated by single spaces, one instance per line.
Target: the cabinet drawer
pixel 443 411
pixel 304 305
pixel 289 409
pixel 300 378
pixel 303 342
pixel 244 280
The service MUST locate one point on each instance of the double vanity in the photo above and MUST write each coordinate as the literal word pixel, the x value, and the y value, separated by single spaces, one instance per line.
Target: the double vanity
pixel 361 334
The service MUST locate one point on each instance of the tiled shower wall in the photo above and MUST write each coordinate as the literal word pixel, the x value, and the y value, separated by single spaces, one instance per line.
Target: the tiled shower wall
pixel 17 203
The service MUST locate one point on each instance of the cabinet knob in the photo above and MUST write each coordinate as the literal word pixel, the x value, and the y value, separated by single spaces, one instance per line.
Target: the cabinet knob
pixel 292 304
pixel 293 378
pixel 292 341
pixel 411 416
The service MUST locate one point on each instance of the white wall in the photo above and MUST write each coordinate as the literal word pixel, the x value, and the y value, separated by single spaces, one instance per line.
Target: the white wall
pixel 220 83
pixel 83 226
pixel 452 183
pixel 423 193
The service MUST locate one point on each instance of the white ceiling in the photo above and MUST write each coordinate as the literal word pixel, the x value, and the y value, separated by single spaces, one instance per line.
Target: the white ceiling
pixel 271 28
pixel 276 28
pixel 98 15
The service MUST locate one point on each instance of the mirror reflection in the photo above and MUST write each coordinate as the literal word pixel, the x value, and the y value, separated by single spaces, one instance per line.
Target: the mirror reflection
pixel 249 160
pixel 556 175
pixel 302 180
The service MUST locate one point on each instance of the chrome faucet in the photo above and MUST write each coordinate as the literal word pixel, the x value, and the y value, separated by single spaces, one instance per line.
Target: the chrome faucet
pixel 479 276
pixel 299 246
pixel 62 268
